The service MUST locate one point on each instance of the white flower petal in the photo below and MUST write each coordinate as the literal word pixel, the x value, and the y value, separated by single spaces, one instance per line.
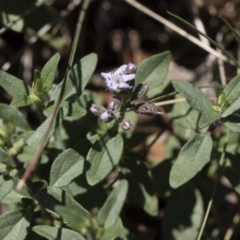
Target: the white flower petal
pixel 105 75
pixel 128 77
pixel 121 69
pixel 111 88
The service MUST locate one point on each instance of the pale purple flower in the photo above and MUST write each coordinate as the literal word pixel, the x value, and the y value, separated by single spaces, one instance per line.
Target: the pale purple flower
pixel 96 110
pixel 118 79
pixel 106 116
pixel 126 125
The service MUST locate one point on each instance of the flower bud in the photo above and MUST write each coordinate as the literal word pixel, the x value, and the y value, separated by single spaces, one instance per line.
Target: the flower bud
pixel 126 125
pixel 148 108
pixel 114 103
pixel 96 110
pixel 131 68
pixel 143 90
pixel 106 116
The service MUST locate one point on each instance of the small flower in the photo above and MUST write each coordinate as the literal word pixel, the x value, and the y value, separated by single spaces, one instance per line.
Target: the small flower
pixel 114 103
pixel 131 68
pixel 106 116
pixel 118 79
pixel 126 125
pixel 96 110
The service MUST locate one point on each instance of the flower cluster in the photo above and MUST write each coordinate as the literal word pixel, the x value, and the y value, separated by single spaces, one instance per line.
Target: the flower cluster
pixel 119 82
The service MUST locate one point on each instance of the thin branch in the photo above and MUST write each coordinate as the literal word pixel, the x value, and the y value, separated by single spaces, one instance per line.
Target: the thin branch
pixel 170 102
pixel 177 29
pixel 38 153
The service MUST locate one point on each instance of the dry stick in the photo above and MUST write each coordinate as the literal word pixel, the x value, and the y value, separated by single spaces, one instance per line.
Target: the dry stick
pixel 220 62
pixel 177 29
pixel 37 154
pixel 170 102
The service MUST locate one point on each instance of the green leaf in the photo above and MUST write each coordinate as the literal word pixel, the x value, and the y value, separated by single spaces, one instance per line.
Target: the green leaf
pixel 67 166
pixel 111 209
pixel 232 108
pixel 35 139
pixel 79 77
pixel 232 89
pixel 51 197
pixel 111 233
pixel 103 157
pixel 233 122
pixel 6 159
pixel 153 71
pixel 184 120
pixel 183 214
pixel 13 85
pixel 22 100
pixel 53 233
pixel 48 71
pixel 198 101
pixel 75 219
pixel 217 88
pixel 142 190
pixel 194 155
pixel 13 115
pixel 14 225
pixel 6 186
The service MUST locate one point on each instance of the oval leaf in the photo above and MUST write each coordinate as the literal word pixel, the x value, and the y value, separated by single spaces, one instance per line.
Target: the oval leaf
pixel 232 108
pixel 79 77
pixel 6 159
pixel 48 71
pixel 53 233
pixel 66 167
pixel 233 123
pixel 109 213
pixel 14 225
pixel 232 89
pixel 13 85
pixel 5 187
pixel 198 101
pixel 103 157
pixel 153 71
pixel 74 218
pixel 194 155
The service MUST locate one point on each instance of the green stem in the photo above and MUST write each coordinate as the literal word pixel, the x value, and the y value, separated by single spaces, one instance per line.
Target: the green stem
pixel 221 165
pixel 38 152
pixel 22 16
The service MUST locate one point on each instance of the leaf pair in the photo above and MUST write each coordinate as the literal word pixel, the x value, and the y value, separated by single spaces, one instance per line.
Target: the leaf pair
pixel 228 102
pixel 108 225
pixel 22 93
